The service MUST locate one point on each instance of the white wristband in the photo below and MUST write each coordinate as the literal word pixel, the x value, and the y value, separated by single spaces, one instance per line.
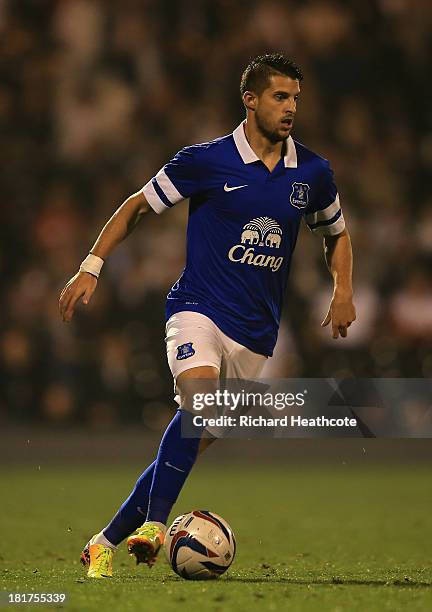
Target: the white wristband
pixel 92 264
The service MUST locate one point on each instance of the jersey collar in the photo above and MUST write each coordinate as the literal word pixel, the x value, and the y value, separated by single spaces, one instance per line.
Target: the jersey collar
pixel 248 155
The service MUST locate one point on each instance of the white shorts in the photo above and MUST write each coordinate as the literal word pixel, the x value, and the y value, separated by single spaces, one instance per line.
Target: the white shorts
pixel 193 340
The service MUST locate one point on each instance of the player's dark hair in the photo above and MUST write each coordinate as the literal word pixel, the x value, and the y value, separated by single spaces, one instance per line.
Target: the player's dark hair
pixel 256 76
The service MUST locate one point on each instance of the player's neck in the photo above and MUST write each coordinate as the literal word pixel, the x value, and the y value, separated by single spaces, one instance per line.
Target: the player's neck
pixel 268 152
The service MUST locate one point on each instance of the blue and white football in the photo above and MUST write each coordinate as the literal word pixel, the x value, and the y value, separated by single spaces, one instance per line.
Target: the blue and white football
pixel 200 545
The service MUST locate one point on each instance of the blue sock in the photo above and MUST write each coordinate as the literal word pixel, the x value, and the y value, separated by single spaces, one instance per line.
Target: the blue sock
pixel 132 513
pixel 174 462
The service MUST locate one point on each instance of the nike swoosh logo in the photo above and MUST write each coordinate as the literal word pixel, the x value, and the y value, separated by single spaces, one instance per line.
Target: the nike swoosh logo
pixel 168 464
pixel 226 188
pixel 141 511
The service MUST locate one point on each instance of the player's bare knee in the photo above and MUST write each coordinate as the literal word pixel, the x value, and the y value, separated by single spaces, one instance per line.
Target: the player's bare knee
pixel 195 383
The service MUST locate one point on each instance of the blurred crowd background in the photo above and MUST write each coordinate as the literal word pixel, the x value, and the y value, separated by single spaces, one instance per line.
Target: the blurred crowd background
pixel 96 96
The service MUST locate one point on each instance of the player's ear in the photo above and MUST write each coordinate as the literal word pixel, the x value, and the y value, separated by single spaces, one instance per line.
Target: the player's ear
pixel 250 100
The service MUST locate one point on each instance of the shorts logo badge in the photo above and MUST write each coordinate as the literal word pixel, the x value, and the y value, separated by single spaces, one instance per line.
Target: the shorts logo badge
pixel 185 350
pixel 300 195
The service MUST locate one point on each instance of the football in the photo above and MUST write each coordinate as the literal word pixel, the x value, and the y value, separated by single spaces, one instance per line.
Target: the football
pixel 200 545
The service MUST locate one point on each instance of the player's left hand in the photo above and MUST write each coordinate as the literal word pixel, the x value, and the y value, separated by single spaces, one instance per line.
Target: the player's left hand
pixel 341 313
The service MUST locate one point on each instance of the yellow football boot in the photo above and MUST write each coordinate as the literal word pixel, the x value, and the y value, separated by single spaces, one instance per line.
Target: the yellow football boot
pixel 145 543
pixel 98 559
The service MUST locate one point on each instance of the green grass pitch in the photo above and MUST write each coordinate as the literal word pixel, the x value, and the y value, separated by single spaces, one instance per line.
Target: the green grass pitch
pixel 334 538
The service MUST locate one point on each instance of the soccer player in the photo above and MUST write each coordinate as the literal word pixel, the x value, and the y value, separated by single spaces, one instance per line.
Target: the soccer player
pixel 248 193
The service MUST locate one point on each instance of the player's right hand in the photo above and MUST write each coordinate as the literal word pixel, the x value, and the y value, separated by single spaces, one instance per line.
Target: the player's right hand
pixel 82 285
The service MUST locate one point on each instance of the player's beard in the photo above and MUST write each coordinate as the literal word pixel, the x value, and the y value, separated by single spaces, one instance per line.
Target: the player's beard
pixel 267 130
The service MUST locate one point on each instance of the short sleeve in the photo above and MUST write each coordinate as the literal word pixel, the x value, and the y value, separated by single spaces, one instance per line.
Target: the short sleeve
pixel 176 181
pixel 324 215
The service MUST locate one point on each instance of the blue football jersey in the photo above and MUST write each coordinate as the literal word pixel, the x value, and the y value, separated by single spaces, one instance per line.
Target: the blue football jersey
pixel 242 229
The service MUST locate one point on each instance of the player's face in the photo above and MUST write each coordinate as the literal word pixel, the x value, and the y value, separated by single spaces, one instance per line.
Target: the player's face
pixel 276 107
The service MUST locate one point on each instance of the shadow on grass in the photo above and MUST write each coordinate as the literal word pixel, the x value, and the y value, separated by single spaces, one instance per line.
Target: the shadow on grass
pixel 150 580
pixel 332 582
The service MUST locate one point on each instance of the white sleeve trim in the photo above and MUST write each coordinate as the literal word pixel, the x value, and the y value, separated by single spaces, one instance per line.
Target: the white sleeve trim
pixel 153 199
pixel 168 187
pixel 325 214
pixel 331 230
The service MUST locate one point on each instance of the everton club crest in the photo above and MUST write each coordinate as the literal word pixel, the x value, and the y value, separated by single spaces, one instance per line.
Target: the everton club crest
pixel 185 350
pixel 300 195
